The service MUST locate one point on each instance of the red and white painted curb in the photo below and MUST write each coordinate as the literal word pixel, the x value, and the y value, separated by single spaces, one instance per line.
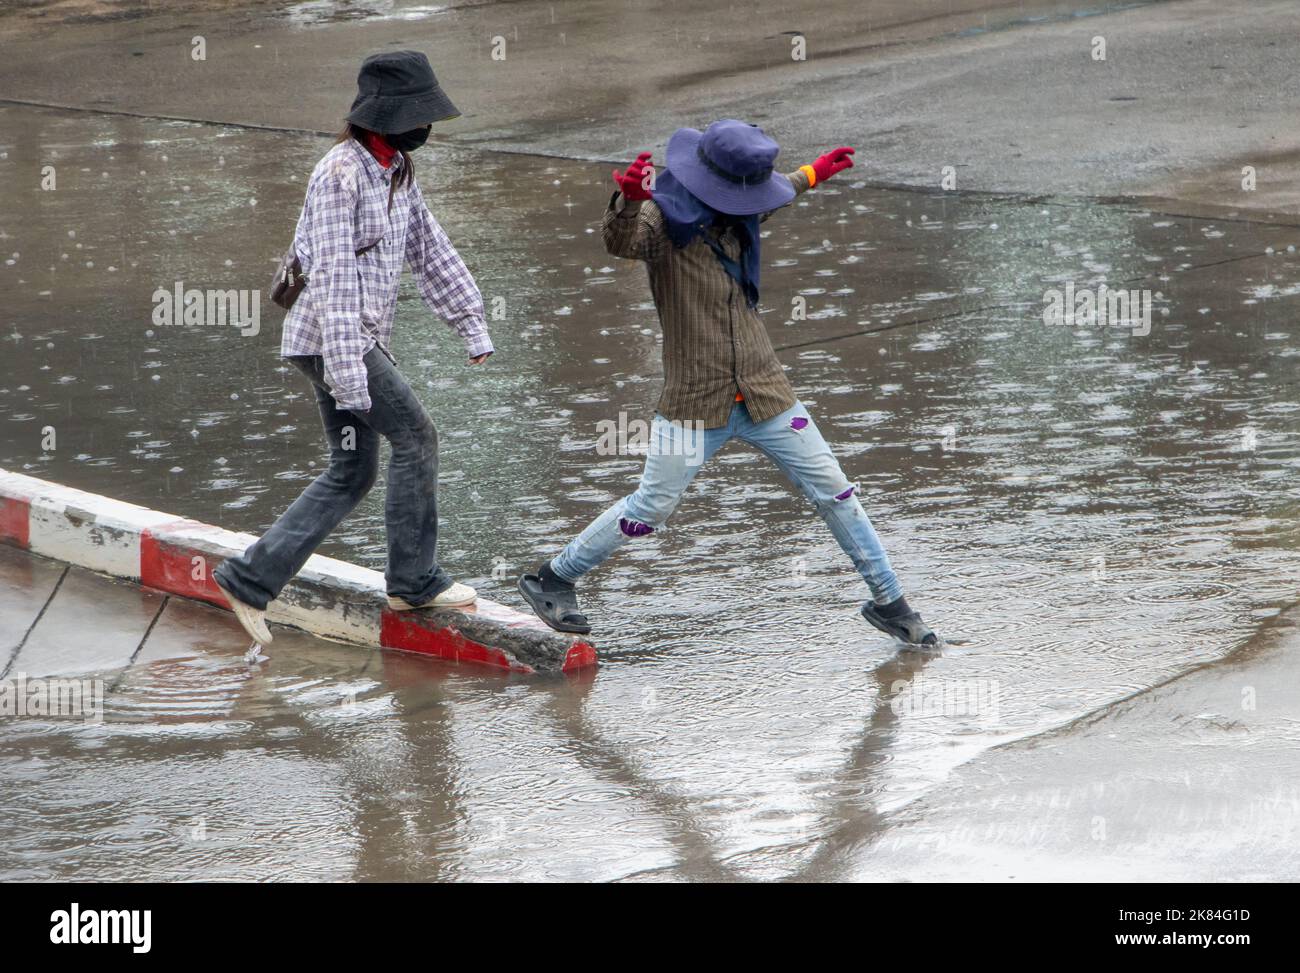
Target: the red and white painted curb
pixel 329 598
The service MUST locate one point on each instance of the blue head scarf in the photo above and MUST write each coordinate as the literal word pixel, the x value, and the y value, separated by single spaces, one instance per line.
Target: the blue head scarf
pixel 687 217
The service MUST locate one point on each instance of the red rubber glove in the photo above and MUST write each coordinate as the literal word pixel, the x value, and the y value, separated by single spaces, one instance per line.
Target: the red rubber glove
pixel 634 183
pixel 832 162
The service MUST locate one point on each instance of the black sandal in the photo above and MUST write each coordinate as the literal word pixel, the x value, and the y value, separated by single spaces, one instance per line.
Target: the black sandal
pixel 557 607
pixel 907 627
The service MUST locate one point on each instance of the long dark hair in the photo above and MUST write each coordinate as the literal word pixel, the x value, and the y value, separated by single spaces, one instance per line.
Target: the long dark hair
pixel 352 131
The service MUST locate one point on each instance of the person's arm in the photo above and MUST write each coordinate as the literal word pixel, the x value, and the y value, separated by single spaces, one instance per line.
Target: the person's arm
pixel 445 283
pixel 633 226
pixel 805 177
pixel 823 167
pixel 634 229
pixel 333 279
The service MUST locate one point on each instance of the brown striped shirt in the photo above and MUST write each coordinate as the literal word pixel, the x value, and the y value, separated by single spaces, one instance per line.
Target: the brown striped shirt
pixel 714 343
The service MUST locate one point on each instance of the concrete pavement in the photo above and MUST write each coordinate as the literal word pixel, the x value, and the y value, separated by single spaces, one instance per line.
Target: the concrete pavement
pixel 1011 96
pixel 1177 780
pixel 1192 780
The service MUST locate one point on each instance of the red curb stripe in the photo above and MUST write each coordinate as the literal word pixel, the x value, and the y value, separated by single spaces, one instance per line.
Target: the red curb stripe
pixel 170 567
pixel 400 630
pixel 580 656
pixel 15 521
pixel 176 555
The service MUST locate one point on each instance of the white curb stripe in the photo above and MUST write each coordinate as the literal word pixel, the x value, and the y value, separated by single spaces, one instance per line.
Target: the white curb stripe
pixel 329 598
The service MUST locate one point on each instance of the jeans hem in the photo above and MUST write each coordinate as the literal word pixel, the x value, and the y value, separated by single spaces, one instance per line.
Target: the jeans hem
pixel 229 578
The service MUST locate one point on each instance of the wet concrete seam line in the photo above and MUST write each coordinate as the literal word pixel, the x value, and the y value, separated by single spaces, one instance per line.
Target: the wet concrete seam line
pixel 1126 203
pixel 35 621
pixel 328 598
pixel 143 639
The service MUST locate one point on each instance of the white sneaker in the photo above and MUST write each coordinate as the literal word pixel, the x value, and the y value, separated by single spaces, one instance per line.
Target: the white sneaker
pixel 253 619
pixel 457 596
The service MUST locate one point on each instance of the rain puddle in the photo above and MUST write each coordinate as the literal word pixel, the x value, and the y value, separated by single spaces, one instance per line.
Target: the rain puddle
pixel 1085 510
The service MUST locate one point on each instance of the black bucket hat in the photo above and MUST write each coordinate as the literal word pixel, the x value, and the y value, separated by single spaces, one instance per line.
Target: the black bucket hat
pixel 396 92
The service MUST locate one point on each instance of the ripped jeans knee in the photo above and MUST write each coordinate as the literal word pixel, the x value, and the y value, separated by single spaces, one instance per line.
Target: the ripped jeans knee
pixel 634 528
pixel 645 512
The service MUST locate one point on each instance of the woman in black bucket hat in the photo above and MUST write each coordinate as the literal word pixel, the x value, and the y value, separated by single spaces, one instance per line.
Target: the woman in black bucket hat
pixel 363 217
pixel 398 92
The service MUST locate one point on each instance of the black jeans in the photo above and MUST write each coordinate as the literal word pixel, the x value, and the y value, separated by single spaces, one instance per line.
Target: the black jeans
pixel 411 507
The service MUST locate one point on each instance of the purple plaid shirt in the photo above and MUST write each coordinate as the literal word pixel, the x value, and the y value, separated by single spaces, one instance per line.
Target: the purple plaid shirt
pixel 348 304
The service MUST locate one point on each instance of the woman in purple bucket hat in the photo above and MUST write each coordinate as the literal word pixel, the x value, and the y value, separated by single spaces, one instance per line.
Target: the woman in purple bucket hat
pixel 697 229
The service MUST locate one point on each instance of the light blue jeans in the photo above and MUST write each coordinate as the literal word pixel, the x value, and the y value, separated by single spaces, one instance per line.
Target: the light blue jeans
pixel 676 453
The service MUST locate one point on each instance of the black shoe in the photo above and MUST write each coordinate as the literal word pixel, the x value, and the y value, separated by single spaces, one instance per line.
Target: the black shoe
pixel 554 601
pixel 906 627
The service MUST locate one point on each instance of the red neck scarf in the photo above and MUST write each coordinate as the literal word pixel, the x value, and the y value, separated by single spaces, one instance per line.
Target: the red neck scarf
pixel 381 150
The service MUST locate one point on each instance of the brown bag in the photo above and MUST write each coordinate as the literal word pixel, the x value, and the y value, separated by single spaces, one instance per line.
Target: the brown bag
pixel 289 280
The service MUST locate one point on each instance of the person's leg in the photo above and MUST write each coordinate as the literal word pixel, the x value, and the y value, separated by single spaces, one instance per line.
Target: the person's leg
pixel 677 451
pixel 795 444
pixel 411 506
pixel 793 441
pixel 257 576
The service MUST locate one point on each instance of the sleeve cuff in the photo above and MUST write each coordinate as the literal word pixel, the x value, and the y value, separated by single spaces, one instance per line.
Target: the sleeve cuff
pixel 624 207
pixel 352 404
pixel 479 344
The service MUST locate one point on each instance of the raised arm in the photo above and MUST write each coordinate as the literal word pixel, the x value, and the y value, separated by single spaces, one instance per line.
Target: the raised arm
pixel 445 283
pixel 633 226
pixel 825 166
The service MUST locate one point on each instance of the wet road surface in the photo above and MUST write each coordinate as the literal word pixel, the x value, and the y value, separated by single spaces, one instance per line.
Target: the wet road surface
pixel 1014 95
pixel 1085 512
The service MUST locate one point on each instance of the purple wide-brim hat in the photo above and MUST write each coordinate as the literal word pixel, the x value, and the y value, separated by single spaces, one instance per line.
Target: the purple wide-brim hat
pixel 729 166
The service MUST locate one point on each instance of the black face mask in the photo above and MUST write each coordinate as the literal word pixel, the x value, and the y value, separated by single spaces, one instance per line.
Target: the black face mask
pixel 409 141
